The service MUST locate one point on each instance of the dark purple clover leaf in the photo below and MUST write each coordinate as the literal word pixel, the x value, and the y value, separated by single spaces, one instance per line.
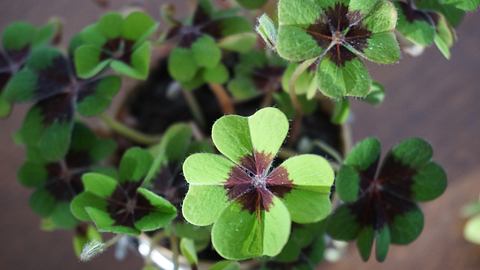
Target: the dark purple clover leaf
pixel 123 206
pixel 57 182
pixel 49 80
pixel 18 39
pixel 425 27
pixel 338 34
pixel 118 42
pixel 256 73
pixel 381 200
pixel 250 203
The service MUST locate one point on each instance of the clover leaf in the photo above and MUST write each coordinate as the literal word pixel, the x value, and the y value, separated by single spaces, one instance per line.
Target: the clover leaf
pixel 122 205
pixel 49 80
pixel 338 33
pixel 380 201
pixel 118 42
pixel 250 203
pixel 256 73
pixel 18 40
pixel 424 27
pixel 57 182
pixel 305 245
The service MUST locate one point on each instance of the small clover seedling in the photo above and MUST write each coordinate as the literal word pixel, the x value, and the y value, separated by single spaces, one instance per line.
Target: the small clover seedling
pixel 123 206
pixel 380 202
pixel 115 41
pixel 49 80
pixel 56 183
pixel 250 203
pixel 197 59
pixel 338 34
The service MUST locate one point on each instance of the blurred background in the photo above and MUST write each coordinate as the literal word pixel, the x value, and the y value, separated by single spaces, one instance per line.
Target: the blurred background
pixel 427 96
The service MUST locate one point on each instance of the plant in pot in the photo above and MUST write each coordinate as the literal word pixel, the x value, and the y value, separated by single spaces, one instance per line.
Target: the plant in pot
pixel 233 152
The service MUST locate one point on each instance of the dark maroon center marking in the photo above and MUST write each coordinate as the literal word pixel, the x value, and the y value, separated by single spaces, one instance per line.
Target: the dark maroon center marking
pixel 386 195
pixel 336 28
pixel 253 185
pixel 126 205
pixel 118 48
pixel 202 23
pixel 63 183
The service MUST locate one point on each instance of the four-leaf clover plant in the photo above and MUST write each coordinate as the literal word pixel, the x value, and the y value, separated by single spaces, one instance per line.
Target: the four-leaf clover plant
pixel 115 41
pixel 381 200
pixel 337 35
pixel 250 202
pixel 122 205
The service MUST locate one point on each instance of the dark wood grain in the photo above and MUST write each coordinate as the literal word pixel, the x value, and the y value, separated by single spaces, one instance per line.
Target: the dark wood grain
pixel 426 96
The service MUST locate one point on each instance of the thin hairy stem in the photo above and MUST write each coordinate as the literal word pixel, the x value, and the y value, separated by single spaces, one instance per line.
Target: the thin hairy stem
pixel 127 132
pixel 226 102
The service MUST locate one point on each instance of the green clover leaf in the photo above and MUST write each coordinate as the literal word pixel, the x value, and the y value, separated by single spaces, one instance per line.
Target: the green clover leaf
pixel 250 203
pixel 48 79
pixel 339 34
pixel 425 27
pixel 57 182
pixel 115 41
pixel 18 40
pixel 123 206
pixel 380 201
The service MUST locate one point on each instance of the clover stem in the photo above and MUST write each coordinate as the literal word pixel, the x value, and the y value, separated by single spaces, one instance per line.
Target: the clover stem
pixel 194 107
pixel 174 247
pixel 223 98
pixel 329 150
pixel 267 99
pixel 128 132
pixel 297 122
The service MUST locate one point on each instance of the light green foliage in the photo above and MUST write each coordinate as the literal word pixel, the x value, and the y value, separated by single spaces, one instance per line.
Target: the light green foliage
pixel 187 247
pixel 238 233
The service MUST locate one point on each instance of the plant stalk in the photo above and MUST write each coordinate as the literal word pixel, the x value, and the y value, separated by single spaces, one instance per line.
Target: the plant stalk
pixel 297 122
pixel 175 251
pixel 128 132
pixel 194 107
pixel 223 98
pixel 329 150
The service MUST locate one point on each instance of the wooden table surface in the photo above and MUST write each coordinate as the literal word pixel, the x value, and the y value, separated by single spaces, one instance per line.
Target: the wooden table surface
pixel 426 96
